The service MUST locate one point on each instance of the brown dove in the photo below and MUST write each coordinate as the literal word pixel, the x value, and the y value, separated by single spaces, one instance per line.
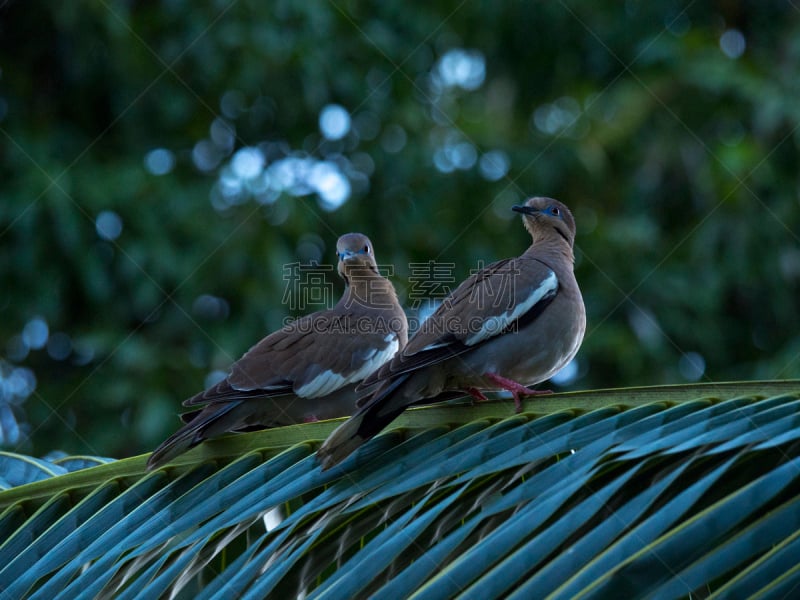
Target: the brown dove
pixel 307 370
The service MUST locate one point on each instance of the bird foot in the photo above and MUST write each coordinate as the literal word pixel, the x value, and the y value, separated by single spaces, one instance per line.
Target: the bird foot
pixel 517 389
pixel 310 419
pixel 476 394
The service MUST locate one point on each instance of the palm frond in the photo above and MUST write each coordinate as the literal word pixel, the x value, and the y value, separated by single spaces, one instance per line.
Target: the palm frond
pixel 666 491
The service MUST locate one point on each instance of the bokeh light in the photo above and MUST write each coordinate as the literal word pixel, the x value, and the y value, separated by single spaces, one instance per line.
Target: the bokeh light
pixel 567 374
pixel 206 156
pixel 334 122
pixel 213 308
pixel 494 165
pixel 108 225
pixel 331 185
pixel 247 163
pixel 16 383
pixel 159 161
pixel 559 118
pixel 35 333
pixel 455 153
pixel 732 43
pixel 296 175
pixel 461 68
pixel 223 134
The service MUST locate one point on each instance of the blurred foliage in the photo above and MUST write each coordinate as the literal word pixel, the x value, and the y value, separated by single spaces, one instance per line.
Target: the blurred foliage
pixel 671 130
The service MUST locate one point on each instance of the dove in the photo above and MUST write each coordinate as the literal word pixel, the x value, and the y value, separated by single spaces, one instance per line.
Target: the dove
pixel 308 369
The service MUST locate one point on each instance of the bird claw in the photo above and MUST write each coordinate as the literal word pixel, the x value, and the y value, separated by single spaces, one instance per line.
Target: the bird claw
pixel 517 389
pixel 477 395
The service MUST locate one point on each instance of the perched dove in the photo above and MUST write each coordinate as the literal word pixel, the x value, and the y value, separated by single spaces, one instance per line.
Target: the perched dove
pixel 308 370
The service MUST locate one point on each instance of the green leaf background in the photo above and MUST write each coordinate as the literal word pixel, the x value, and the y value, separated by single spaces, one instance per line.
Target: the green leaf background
pixel 679 161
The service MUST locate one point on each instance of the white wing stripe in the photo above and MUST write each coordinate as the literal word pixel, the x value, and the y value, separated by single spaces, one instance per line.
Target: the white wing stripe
pixel 497 323
pixel 328 381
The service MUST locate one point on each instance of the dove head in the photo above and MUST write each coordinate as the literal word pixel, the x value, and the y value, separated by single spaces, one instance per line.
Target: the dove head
pixel 545 218
pixel 355 255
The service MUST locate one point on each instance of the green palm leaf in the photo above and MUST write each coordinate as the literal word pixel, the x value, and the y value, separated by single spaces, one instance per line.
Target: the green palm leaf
pixel 665 491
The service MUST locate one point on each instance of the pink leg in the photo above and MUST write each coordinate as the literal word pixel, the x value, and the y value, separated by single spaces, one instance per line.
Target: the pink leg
pixel 477 394
pixel 310 419
pixel 516 389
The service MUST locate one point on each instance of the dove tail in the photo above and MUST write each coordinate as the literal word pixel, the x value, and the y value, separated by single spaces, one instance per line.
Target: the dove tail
pixel 179 442
pixel 201 425
pixel 370 418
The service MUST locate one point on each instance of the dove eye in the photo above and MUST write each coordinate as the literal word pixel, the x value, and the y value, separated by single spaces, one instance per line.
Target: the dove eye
pixel 366 248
